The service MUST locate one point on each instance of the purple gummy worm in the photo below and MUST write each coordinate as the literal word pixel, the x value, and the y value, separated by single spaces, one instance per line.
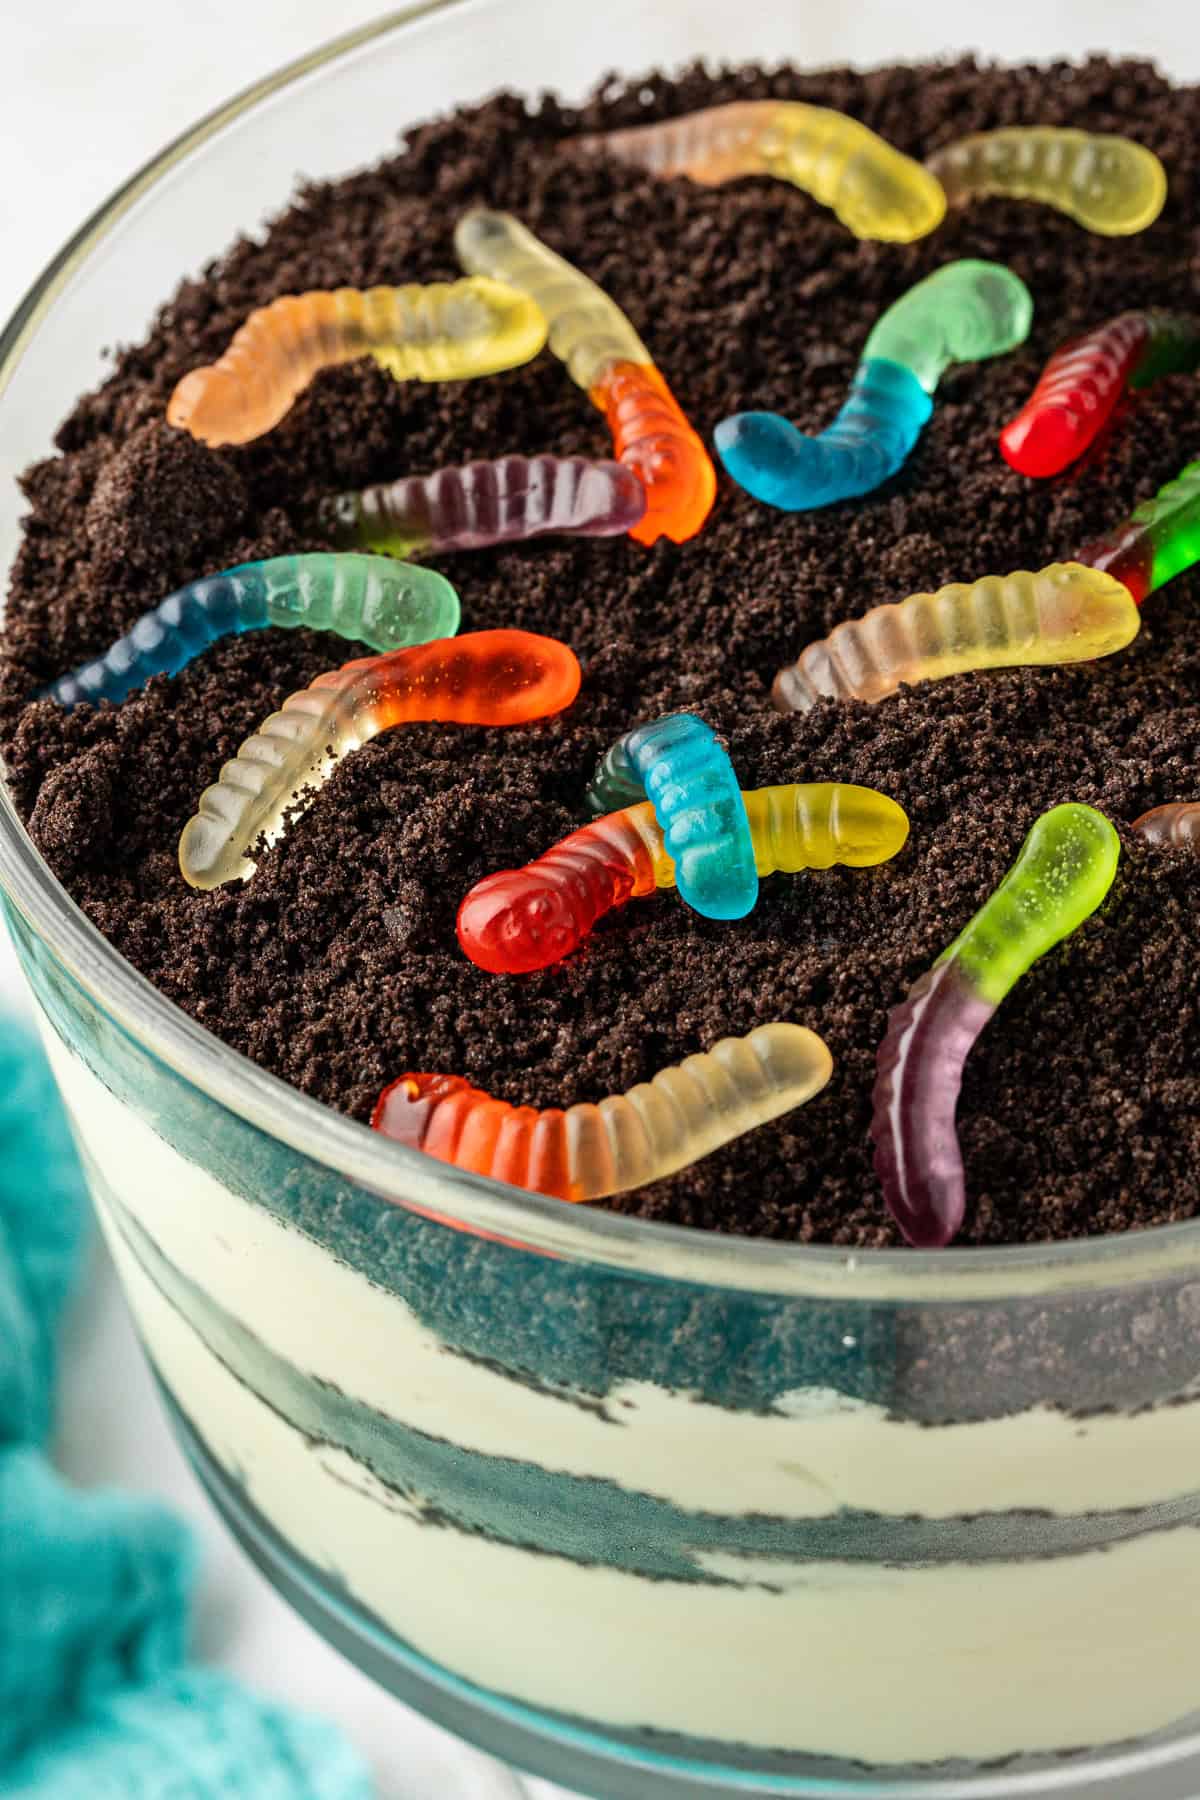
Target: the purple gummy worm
pixel 1065 868
pixel 513 497
pixel 920 1071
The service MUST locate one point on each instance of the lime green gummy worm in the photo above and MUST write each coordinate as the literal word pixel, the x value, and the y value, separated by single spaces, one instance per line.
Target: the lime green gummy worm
pixel 1065 868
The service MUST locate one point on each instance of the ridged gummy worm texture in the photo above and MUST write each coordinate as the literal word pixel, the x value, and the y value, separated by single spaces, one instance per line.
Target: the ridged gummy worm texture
pixel 439 331
pixel 652 437
pixel 1074 397
pixel 689 780
pixel 587 330
pixel 504 500
pixel 657 1128
pixel 497 678
pixel 1065 613
pixel 1078 390
pixel 874 190
pixel 366 599
pixel 1110 185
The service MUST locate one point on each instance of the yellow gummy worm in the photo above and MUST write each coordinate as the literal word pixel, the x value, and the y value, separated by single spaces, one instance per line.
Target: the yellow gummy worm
pixel 586 329
pixel 874 190
pixel 794 826
pixel 1110 185
pixel 439 331
pixel 818 824
pixel 1062 614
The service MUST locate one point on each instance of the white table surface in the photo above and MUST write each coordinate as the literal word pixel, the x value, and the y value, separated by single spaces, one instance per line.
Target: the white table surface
pixel 87 93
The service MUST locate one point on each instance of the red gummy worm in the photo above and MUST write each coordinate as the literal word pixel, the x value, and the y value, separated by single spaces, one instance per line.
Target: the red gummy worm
pixel 501 677
pixel 519 920
pixel 652 437
pixel 1075 397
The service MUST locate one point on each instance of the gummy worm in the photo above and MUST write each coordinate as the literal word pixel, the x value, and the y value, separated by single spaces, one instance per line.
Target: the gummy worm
pixel 1175 826
pixel 439 331
pixel 614 783
pixel 873 189
pixel 1159 540
pixel 652 437
pixel 518 920
pixel 1065 868
pixel 369 599
pixel 484 678
pixel 606 357
pixel 1080 386
pixel 1065 613
pixel 657 1128
pixel 586 330
pixel 868 441
pixel 498 502
pixel 1110 185
pixel 964 312
pixel 677 764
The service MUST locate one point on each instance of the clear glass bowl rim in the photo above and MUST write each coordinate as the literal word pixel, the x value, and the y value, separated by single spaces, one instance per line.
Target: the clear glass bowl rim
pixel 580 1234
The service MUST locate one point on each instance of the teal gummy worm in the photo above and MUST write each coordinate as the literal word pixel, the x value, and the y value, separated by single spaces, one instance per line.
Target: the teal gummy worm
pixel 677 764
pixel 869 440
pixel 964 312
pixel 372 600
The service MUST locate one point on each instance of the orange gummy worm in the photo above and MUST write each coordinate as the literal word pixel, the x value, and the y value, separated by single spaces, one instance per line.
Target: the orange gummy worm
pixel 660 1126
pixel 651 436
pixel 505 677
pixel 432 331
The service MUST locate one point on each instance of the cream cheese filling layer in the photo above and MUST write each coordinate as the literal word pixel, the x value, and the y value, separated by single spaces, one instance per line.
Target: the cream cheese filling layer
pixel 1026 1657
pixel 817 1453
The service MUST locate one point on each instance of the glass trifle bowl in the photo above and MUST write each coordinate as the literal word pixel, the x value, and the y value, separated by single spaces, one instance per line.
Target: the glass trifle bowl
pixel 644 1510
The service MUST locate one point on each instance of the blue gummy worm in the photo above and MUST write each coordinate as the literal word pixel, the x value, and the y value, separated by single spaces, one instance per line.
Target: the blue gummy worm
pixel 697 800
pixel 373 600
pixel 868 441
pixel 164 641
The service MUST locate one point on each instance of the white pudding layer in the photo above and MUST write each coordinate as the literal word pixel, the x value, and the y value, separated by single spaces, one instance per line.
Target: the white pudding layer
pixel 1001 1656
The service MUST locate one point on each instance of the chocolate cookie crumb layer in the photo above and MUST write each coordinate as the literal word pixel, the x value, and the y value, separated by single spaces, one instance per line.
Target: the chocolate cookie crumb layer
pixel 337 966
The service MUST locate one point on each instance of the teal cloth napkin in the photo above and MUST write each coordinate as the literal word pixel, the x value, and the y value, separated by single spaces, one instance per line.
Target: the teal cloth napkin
pixel 95 1588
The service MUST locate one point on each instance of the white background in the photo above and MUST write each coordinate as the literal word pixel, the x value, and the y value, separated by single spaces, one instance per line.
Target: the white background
pixel 88 92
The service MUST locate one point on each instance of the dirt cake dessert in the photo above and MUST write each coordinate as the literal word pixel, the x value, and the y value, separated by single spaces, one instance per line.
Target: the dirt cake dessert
pixel 644 789
pixel 337 966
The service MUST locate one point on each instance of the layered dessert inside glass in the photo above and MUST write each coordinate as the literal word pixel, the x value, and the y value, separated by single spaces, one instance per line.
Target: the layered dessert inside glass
pixel 721 1526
